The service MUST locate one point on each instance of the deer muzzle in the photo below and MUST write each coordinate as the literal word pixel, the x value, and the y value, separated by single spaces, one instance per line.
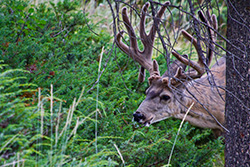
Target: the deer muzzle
pixel 138 117
pixel 141 118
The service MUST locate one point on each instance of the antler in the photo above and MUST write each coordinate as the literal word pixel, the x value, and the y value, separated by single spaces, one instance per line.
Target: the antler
pixel 144 58
pixel 199 66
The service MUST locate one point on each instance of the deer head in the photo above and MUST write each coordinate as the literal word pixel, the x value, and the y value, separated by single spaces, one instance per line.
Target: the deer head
pixel 169 95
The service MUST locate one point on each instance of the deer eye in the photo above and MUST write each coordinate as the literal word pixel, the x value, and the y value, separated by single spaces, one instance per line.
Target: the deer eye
pixel 165 97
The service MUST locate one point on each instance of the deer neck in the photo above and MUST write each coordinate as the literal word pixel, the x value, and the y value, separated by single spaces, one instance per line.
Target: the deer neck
pixel 197 115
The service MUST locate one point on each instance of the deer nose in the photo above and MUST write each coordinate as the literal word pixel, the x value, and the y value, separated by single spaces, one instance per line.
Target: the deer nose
pixel 138 116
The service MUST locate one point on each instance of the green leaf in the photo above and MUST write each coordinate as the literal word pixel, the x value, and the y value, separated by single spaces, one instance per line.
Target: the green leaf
pixel 21 21
pixel 31 10
pixel 20 7
pixel 43 22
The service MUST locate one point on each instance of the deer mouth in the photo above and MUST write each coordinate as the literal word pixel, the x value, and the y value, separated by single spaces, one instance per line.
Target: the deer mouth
pixel 148 123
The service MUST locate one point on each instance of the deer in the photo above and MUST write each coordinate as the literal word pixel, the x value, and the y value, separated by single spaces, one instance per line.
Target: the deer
pixel 171 94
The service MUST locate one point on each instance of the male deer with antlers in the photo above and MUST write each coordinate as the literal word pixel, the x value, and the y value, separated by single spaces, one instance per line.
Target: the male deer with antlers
pixel 172 93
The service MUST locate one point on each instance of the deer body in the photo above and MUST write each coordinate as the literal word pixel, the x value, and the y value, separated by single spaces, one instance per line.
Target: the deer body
pixel 206 99
pixel 171 94
pixel 212 98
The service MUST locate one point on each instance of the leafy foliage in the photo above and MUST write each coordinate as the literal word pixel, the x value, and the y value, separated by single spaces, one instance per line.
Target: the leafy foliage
pixel 53 44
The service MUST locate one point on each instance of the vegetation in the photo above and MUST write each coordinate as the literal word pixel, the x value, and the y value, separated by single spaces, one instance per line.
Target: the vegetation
pixel 53 112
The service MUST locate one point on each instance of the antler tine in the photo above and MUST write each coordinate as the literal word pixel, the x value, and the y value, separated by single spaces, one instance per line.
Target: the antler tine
pixel 211 34
pixel 148 40
pixel 212 23
pixel 157 20
pixel 143 34
pixel 199 65
pixel 133 42
pixel 120 44
pixel 215 26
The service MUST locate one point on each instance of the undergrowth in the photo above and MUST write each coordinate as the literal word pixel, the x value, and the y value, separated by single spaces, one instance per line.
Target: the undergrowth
pixel 51 113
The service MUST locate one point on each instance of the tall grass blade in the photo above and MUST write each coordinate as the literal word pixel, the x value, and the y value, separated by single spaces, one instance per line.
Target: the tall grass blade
pixel 97 94
pixel 172 150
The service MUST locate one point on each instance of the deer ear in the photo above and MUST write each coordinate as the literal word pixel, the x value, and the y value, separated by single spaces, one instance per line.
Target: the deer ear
pixel 141 76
